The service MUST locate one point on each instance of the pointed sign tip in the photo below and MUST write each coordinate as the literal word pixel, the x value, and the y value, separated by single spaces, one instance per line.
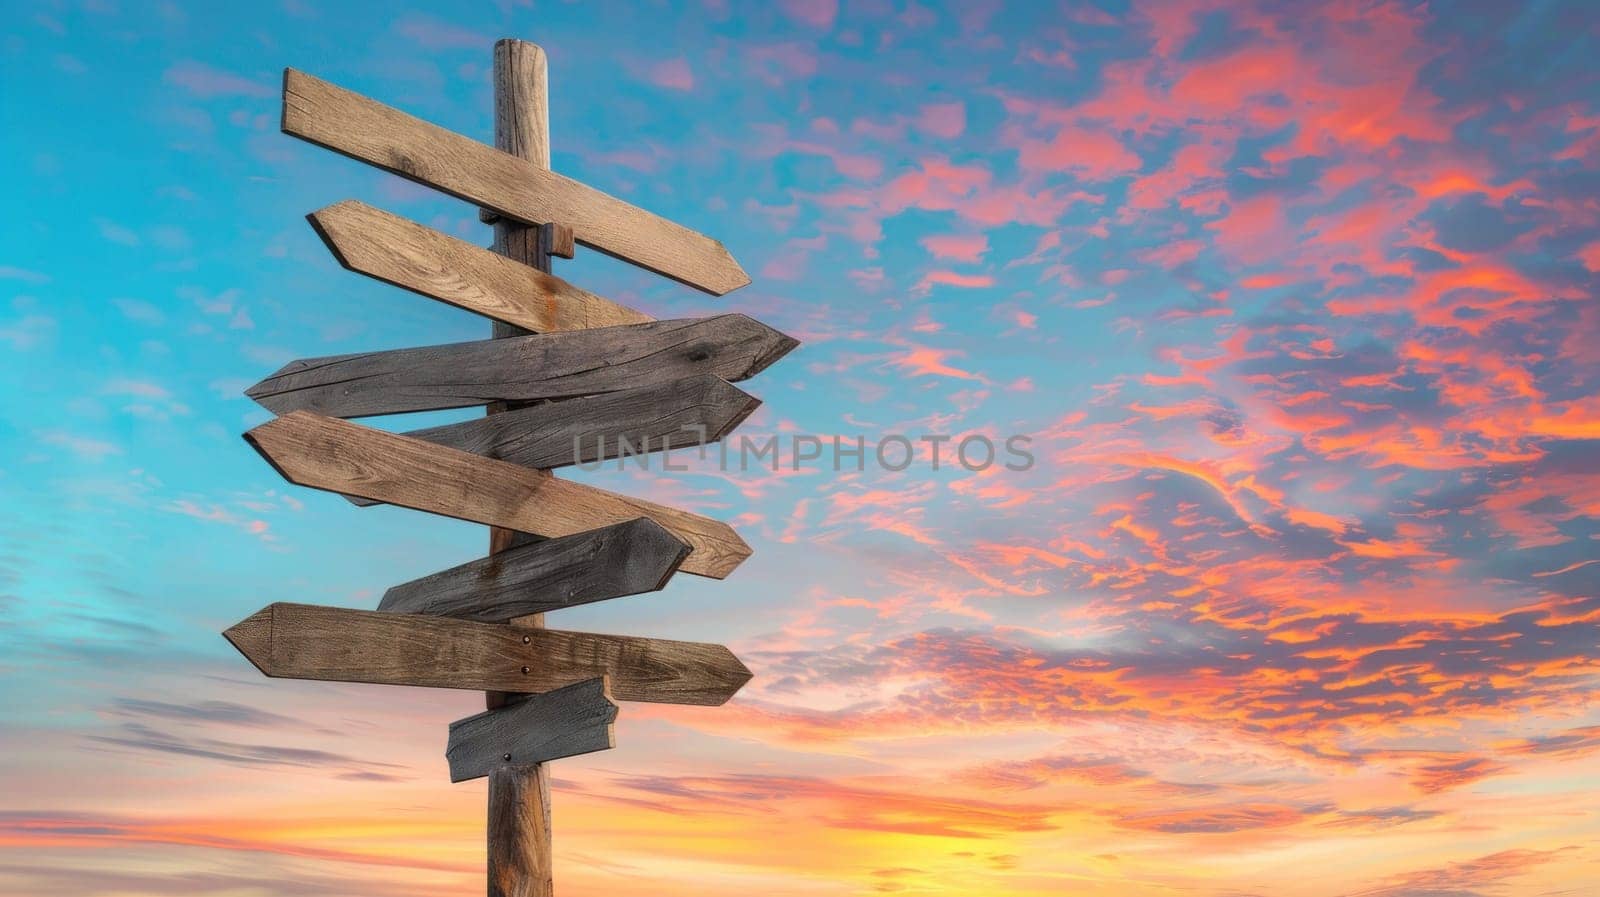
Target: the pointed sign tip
pixel 252 636
pixel 328 222
pixel 738 281
pixel 263 439
pixel 739 677
pixel 657 543
pixel 778 345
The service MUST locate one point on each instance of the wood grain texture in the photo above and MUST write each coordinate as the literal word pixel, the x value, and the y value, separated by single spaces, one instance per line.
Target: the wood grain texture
pixel 612 562
pixel 673 415
pixel 520 852
pixel 562 243
pixel 364 129
pixel 577 719
pixel 394 250
pixel 327 453
pixel 304 641
pixel 519 832
pixel 540 366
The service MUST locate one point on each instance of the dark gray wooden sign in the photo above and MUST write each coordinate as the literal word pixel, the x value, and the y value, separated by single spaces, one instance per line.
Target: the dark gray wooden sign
pixel 542 366
pixel 626 559
pixel 577 719
pixel 677 414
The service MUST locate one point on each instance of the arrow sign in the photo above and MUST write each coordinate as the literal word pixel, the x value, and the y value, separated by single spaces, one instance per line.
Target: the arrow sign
pixel 303 641
pixel 364 129
pixel 626 559
pixel 326 453
pixel 542 366
pixel 679 414
pixel 408 255
pixel 578 719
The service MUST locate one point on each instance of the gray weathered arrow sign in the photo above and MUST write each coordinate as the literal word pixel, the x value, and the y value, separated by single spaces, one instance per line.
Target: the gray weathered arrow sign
pixel 677 414
pixel 542 366
pixel 626 559
pixel 577 719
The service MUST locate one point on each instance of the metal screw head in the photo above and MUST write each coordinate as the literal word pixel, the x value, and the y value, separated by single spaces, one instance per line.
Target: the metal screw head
pixel 527 639
pixel 524 671
pixel 506 757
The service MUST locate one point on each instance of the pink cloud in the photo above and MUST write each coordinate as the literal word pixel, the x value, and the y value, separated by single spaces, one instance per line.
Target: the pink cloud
pixel 945 120
pixel 815 13
pixel 1091 153
pixel 924 361
pixel 434 34
pixel 207 82
pixel 1590 256
pixel 673 74
pixel 957 247
pixel 1254 230
pixel 952 279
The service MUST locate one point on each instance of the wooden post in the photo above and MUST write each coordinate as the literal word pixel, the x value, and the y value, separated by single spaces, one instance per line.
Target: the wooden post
pixel 519 796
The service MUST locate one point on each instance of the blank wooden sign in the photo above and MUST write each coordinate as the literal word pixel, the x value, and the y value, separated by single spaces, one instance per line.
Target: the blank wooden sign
pixel 611 562
pixel 520 369
pixel 336 455
pixel 577 719
pixel 305 641
pixel 408 255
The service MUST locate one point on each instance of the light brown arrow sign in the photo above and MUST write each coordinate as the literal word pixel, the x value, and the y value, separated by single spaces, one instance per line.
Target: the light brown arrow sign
pixel 577 719
pixel 364 129
pixel 336 455
pixel 304 641
pixel 408 255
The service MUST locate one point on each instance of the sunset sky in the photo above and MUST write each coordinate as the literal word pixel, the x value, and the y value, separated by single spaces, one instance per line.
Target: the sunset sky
pixel 1295 300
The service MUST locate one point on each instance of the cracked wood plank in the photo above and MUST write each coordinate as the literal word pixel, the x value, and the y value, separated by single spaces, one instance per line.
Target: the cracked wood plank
pixel 327 453
pixel 577 719
pixel 696 411
pixel 611 562
pixel 334 644
pixel 539 366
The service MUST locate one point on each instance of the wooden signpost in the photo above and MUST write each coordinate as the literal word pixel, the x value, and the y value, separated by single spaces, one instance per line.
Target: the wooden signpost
pixel 569 377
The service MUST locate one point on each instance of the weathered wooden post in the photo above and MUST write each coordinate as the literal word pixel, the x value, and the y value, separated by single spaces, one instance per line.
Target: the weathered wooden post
pixel 519 796
pixel 567 377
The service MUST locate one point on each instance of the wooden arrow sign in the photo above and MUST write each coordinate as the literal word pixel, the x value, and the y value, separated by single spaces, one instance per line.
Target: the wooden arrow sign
pixel 678 414
pixel 626 559
pixel 408 255
pixel 327 453
pixel 365 129
pixel 577 719
pixel 303 641
pixel 542 366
